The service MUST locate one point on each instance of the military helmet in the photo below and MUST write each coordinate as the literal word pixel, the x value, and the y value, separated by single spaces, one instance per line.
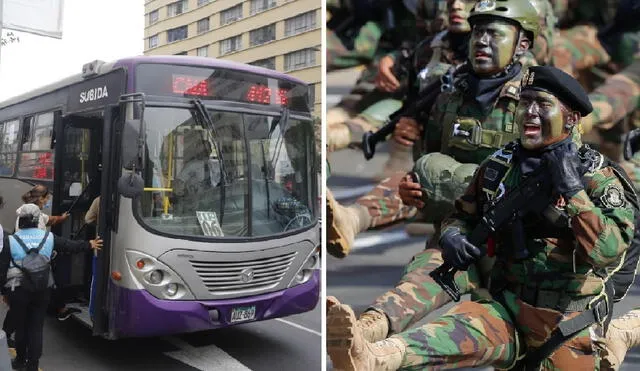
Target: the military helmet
pixel 518 11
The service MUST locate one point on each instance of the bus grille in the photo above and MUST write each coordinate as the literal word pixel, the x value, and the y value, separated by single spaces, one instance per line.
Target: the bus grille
pixel 237 277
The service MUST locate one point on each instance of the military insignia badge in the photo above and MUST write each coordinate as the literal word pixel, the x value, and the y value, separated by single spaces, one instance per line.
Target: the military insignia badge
pixel 613 196
pixel 485 6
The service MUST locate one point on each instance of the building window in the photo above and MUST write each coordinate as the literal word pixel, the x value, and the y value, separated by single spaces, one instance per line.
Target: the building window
pixel 203 51
pixel 269 63
pixel 176 34
pixel 153 41
pixel 262 35
pixel 153 16
pixel 312 95
pixel 203 2
pixel 299 59
pixel 176 8
pixel 258 6
pixel 231 44
pixel 203 25
pixel 231 15
pixel 300 23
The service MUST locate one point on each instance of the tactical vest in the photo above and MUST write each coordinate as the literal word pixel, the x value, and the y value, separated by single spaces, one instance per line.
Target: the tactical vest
pixel 619 275
pixel 472 139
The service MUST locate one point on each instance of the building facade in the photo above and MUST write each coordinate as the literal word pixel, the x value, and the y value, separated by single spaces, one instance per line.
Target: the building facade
pixel 283 35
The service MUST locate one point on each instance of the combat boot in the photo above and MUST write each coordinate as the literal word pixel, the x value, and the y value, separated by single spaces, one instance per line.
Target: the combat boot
pixel 622 335
pixel 338 137
pixel 337 115
pixel 343 225
pixel 350 351
pixel 374 325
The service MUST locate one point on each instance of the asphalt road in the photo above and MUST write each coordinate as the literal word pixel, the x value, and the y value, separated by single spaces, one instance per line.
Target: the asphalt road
pixel 378 258
pixel 291 343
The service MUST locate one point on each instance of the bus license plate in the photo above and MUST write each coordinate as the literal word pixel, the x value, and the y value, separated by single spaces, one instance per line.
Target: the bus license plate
pixel 243 314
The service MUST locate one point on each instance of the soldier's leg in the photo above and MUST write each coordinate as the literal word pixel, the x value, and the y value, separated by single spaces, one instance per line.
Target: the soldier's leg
pixel 413 297
pixel 622 335
pixel 471 334
pixel 380 206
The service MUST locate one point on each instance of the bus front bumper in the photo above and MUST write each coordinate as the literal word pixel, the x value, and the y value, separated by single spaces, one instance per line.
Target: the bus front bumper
pixel 138 313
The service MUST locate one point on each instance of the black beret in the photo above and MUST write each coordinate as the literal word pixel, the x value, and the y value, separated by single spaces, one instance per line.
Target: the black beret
pixel 560 84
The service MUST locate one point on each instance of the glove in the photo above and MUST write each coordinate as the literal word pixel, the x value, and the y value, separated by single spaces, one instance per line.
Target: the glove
pixel 566 169
pixel 631 143
pixel 457 251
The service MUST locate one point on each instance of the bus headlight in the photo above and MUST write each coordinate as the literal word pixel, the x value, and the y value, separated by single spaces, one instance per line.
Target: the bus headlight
pixel 306 270
pixel 156 277
pixel 171 289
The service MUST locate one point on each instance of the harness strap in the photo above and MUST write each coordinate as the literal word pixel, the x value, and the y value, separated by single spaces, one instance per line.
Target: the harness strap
pixel 598 313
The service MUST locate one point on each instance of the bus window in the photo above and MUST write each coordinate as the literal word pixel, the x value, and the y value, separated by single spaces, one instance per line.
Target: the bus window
pixel 36 160
pixel 8 147
pixel 27 130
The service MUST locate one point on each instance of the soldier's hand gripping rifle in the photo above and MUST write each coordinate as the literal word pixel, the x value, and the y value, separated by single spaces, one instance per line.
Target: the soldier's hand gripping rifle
pixel 531 196
pixel 410 108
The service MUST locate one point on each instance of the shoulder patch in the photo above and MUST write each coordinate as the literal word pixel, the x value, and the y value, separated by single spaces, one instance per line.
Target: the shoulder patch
pixel 511 90
pixel 613 196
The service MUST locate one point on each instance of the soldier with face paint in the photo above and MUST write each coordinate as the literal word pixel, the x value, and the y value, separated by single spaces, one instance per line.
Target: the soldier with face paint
pixel 484 90
pixel 555 291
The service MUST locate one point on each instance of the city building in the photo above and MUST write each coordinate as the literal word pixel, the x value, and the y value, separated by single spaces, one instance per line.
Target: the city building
pixel 284 35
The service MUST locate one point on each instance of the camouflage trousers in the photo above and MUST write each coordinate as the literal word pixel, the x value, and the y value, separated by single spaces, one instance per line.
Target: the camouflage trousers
pixel 384 203
pixel 483 333
pixel 417 294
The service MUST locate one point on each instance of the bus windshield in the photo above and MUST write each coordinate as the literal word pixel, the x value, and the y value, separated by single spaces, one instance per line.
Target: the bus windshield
pixel 239 175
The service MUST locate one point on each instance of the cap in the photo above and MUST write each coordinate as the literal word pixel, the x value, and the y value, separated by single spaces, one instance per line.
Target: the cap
pixel 560 84
pixel 27 210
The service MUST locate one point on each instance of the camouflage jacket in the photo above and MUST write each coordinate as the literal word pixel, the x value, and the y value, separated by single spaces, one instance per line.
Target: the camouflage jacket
pixel 455 114
pixel 601 229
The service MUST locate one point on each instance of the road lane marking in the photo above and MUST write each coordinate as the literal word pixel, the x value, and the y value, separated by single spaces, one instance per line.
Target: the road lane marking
pixel 299 326
pixel 351 192
pixel 205 358
pixel 366 242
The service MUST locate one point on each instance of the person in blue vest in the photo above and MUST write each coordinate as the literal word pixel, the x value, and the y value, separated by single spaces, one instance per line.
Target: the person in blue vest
pixel 29 307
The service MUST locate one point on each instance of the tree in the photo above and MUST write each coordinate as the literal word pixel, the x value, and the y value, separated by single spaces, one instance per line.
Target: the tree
pixel 9 38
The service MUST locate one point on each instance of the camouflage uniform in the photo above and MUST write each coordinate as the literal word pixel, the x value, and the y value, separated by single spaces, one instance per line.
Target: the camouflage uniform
pixel 485 327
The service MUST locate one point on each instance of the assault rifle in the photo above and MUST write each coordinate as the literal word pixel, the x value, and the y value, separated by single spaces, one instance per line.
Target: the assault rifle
pixel 532 195
pixel 631 144
pixel 410 108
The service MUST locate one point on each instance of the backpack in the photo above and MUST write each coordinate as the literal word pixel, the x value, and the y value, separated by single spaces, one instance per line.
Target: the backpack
pixel 36 267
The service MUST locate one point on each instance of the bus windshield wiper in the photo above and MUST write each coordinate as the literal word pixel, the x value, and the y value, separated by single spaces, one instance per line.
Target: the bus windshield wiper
pixel 283 120
pixel 206 121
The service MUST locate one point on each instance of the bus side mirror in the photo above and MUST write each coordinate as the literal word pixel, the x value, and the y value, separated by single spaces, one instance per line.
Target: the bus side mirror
pixel 131 185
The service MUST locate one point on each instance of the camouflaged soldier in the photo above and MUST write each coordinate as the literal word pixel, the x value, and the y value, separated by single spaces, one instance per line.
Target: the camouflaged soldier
pixel 481 100
pixel 432 57
pixel 371 42
pixel 556 289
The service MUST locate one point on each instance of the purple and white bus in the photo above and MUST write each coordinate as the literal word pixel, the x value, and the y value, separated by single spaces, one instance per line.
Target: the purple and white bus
pixel 207 178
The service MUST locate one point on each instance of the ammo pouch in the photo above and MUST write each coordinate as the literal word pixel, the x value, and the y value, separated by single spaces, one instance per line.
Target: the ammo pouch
pixel 467 134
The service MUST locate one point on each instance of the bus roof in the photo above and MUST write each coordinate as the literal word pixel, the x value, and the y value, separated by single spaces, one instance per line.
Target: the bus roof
pixel 160 59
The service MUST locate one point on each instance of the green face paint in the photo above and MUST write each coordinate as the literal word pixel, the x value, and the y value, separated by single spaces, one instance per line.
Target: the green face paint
pixel 540 118
pixel 458 14
pixel 492 46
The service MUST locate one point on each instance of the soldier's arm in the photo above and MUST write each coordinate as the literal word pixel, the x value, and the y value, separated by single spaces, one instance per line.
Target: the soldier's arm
pixel 467 206
pixel 601 219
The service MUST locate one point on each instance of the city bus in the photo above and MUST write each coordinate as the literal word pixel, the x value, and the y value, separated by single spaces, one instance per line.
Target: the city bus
pixel 207 176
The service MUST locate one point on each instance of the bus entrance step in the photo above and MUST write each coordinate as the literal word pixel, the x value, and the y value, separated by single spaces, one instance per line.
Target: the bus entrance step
pixel 83 316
